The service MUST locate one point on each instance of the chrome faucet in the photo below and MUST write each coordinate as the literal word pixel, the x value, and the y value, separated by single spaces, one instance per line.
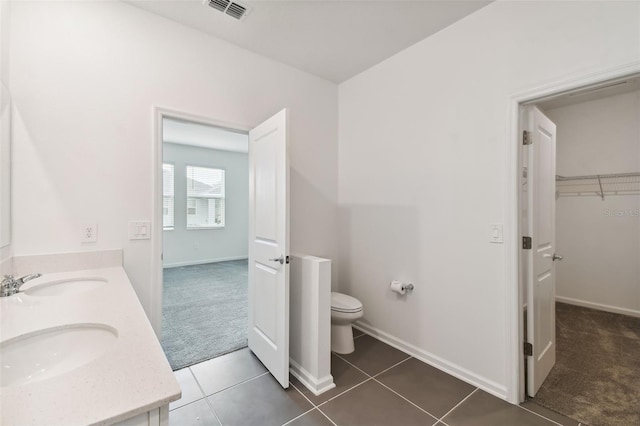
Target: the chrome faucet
pixel 11 285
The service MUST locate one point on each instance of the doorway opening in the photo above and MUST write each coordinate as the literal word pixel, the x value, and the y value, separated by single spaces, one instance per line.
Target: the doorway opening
pixel 581 332
pixel 205 207
pixel 267 324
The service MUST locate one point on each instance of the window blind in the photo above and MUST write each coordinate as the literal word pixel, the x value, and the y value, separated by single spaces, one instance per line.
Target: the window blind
pixel 167 196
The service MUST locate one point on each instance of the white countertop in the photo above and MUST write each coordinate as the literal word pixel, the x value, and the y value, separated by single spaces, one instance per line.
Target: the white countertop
pixel 131 378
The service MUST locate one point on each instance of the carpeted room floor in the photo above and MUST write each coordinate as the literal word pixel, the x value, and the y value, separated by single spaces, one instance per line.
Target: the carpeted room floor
pixel 596 379
pixel 204 311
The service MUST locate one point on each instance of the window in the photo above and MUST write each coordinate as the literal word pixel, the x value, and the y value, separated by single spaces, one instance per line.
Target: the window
pixel 192 206
pixel 205 197
pixel 167 196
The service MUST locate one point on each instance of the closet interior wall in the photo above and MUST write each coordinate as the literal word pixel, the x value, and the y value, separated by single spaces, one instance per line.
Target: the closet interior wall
pixel 598 236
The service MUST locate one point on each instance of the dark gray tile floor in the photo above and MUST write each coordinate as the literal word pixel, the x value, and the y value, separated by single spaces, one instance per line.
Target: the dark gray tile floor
pixel 376 385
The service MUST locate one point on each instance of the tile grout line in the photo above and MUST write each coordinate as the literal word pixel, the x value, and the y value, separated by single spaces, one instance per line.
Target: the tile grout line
pixel 206 397
pixel 209 404
pixel 457 405
pixel 315 407
pixel 410 402
pixel 297 417
pixel 187 404
pixel 328 418
pixel 394 365
pixel 376 374
pixel 303 395
pixel 540 415
pixel 214 411
pixel 354 366
pixel 234 385
pixel 343 392
pixel 382 384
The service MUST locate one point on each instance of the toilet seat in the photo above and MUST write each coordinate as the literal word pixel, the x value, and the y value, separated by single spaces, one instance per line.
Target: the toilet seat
pixel 344 303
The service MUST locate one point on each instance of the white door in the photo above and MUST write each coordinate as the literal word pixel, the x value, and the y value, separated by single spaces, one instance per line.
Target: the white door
pixel 269 245
pixel 541 303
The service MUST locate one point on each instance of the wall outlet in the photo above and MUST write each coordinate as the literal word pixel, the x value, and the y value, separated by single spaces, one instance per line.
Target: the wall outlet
pixel 88 233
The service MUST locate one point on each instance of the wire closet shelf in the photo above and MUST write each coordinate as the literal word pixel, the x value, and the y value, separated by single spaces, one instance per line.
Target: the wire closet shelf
pixel 600 185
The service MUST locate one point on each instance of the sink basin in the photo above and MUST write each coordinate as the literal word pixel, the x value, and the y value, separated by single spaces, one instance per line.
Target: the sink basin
pixel 65 287
pixel 51 352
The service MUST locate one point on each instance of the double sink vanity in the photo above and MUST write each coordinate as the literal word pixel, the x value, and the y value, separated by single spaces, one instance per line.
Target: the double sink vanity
pixel 76 348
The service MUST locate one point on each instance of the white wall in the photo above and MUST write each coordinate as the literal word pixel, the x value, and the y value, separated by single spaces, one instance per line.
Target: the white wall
pixel 600 240
pixel 195 246
pixel 5 36
pixel 7 250
pixel 310 322
pixel 85 77
pixel 422 166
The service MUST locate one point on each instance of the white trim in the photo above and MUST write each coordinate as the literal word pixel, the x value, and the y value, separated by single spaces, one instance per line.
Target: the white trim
pixel 599 306
pixel 512 237
pixel 202 261
pixel 158 113
pixel 448 367
pixel 314 384
pixel 514 360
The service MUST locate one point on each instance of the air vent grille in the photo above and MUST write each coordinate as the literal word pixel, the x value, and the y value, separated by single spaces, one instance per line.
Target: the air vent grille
pixel 220 5
pixel 233 9
pixel 236 10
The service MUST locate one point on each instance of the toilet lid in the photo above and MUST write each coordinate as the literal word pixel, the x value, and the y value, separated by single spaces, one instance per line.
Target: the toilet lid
pixel 343 303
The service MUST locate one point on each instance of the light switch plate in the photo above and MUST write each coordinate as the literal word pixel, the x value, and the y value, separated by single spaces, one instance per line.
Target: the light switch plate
pixel 495 233
pixel 139 230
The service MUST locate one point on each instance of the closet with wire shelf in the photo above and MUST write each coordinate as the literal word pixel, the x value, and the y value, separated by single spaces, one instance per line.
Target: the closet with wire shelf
pixel 600 185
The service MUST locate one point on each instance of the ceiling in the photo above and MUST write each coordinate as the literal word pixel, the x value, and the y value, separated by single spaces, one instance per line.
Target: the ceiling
pixel 333 39
pixel 202 135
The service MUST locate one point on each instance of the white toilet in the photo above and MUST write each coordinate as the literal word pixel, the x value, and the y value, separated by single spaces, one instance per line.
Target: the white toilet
pixel 344 311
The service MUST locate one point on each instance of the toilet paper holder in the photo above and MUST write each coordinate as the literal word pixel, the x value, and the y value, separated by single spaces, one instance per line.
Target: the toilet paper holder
pixel 400 287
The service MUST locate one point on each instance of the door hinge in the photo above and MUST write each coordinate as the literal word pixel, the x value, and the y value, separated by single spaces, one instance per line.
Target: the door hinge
pixel 286 260
pixel 528 349
pixel 526 138
pixel 526 243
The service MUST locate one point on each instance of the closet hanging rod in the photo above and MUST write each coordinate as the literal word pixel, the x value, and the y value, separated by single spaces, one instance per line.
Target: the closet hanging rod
pixel 603 176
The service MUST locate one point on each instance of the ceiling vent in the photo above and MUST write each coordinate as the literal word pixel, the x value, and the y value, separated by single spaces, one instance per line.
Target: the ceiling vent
pixel 231 8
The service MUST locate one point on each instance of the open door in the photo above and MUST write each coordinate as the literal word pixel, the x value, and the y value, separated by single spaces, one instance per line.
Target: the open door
pixel 541 292
pixel 269 245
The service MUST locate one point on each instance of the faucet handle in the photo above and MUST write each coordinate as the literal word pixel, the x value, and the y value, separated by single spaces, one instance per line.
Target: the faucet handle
pixel 9 277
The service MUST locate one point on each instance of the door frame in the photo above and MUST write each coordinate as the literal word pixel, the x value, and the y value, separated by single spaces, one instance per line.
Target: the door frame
pixel 514 294
pixel 160 113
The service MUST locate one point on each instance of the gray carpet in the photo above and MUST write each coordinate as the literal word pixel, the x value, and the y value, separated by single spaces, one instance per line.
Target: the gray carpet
pixel 596 379
pixel 204 311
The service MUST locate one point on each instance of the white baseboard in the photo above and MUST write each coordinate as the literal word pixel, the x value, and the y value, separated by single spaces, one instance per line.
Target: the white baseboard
pixel 314 384
pixel 201 262
pixel 598 306
pixel 448 367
